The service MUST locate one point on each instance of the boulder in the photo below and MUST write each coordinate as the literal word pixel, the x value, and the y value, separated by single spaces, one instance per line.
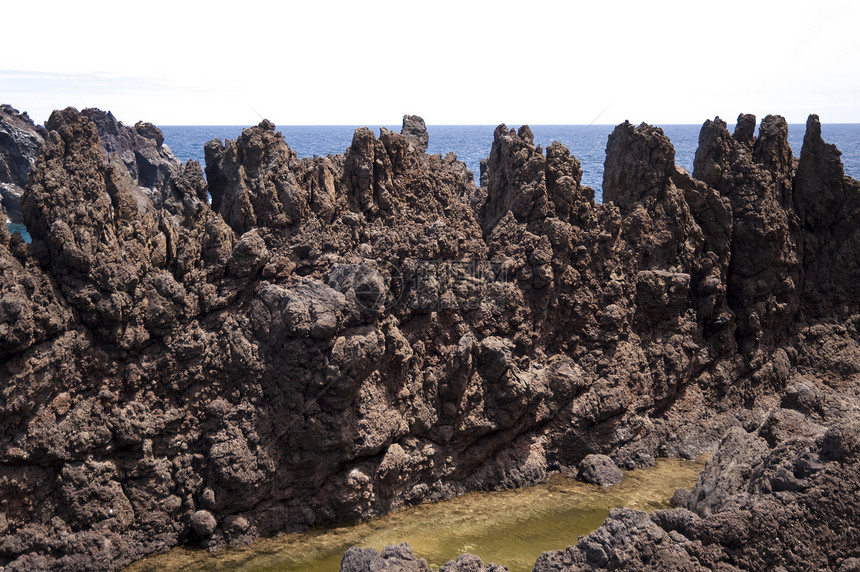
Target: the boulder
pixel 204 523
pixel 599 470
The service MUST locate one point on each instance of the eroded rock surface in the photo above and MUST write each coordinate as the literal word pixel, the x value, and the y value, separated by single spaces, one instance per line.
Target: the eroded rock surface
pixel 140 148
pixel 333 338
pixel 791 506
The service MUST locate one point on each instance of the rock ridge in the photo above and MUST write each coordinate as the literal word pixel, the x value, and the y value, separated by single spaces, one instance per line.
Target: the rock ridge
pixel 333 338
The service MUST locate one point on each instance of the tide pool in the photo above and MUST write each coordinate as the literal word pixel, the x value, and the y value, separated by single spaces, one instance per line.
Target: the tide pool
pixel 510 527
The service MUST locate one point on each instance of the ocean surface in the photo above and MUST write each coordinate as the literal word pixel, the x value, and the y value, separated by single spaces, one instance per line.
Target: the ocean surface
pixel 471 143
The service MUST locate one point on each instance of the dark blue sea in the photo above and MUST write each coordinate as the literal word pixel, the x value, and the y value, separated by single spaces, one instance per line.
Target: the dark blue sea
pixel 471 143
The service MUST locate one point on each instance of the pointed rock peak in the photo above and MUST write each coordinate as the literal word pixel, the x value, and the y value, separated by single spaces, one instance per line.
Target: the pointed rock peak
pixel 526 134
pixel 819 182
pixel 362 139
pixel 415 132
pixel 813 128
pixel 816 149
pixel 105 121
pixel 262 138
pixel 773 125
pixel 717 124
pixel 745 129
pixel 639 163
pixel 9 114
pixel 713 155
pixel 772 148
pixel 149 131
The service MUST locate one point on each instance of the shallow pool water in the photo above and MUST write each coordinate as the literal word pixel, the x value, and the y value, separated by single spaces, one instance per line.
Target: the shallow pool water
pixel 511 528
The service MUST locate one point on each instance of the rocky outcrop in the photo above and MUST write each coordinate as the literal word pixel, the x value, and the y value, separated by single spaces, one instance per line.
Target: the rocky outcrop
pixel 140 149
pixel 759 504
pixel 20 140
pixel 779 496
pixel 828 240
pixel 333 338
pixel 415 132
pixel 755 174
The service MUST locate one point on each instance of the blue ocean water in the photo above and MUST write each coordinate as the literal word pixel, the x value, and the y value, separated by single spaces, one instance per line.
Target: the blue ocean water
pixel 471 143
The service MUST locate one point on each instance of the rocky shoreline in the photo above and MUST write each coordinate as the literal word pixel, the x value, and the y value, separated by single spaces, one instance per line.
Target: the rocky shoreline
pixel 335 337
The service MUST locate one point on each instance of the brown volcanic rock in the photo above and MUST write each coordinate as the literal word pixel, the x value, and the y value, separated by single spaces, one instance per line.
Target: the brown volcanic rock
pixel 31 309
pixel 827 203
pixel 639 163
pixel 20 140
pixel 792 506
pixel 764 273
pixel 94 228
pixel 140 148
pixel 415 131
pixel 516 179
pixel 251 182
pixel 599 470
pixel 401 558
pixel 337 337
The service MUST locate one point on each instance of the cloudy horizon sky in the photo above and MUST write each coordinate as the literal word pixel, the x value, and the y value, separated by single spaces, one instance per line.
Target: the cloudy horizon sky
pixel 452 62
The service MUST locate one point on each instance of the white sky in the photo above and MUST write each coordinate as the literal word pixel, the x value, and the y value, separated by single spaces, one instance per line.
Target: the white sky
pixel 452 62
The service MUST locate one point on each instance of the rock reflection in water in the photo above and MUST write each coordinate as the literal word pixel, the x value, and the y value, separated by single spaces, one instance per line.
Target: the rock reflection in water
pixel 511 528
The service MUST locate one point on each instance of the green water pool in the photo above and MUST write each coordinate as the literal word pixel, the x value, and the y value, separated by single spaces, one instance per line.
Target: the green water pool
pixel 511 528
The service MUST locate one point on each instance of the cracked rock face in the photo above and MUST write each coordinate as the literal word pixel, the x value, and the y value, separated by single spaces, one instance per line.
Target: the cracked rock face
pixel 334 338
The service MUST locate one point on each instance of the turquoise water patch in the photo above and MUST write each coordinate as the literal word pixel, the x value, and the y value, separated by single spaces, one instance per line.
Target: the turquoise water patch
pixel 21 229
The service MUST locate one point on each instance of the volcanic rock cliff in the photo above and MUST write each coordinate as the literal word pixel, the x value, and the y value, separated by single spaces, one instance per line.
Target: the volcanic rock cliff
pixel 333 338
pixel 140 148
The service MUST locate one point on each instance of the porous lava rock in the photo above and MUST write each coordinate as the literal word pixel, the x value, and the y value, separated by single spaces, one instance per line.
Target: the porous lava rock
pixel 334 338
